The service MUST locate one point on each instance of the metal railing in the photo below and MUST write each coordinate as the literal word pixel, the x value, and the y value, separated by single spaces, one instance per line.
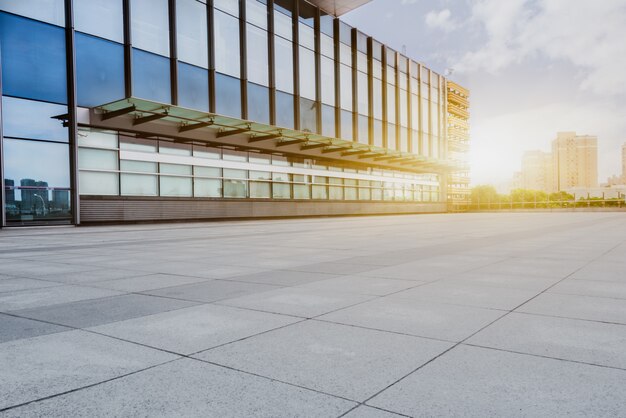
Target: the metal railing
pixel 583 203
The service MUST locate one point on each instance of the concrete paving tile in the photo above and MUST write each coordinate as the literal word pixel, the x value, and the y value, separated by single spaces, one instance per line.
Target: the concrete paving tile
pixel 571 339
pixel 363 285
pixel 14 328
pixel 89 313
pixel 37 270
pixel 509 281
pixel 34 298
pixel 19 283
pixel 334 268
pixel 297 301
pixel 210 291
pixel 591 288
pixel 284 277
pixel 368 412
pixel 188 388
pixel 477 382
pixel 603 270
pixel 534 267
pixel 86 277
pixel 461 293
pixel 345 361
pixel 578 307
pixel 42 366
pixel 149 282
pixel 420 318
pixel 193 329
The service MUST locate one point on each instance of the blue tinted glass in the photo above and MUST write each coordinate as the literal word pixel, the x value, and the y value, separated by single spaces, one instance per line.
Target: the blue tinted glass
pixel 37 180
pixel 227 95
pixel 193 87
pixel 328 121
pixel 33 120
pixel 308 115
pixel 284 110
pixel 151 76
pixel 33 59
pixel 99 71
pixel 258 103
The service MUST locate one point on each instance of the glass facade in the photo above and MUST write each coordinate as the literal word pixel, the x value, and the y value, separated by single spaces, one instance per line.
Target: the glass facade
pixel 285 63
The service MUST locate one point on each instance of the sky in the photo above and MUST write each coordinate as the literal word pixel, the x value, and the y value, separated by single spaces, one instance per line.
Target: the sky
pixel 533 67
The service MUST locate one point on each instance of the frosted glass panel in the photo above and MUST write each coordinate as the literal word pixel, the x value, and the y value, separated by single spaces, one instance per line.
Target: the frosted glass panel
pixel 99 183
pixel 150 26
pixel 139 185
pixel 103 18
pixel 97 159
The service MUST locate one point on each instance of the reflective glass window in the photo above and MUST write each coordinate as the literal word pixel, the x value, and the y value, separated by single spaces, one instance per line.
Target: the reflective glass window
pixel 346 125
pixel 50 11
pixel 283 51
pixel 377 97
pixel 404 108
pixel 99 71
pixel 404 139
pixel 391 136
pixel 207 152
pixel 284 110
pixel 172 148
pixel 307 13
pixel 33 120
pixel 207 187
pixel 191 18
pixel 281 191
pixel 415 147
pixel 307 73
pixel 258 103
pixel 345 55
pixel 327 46
pixel 345 33
pixel 151 76
pixel 138 185
pixel 378 133
pixel 97 138
pixel 227 95
pixel 229 6
pixel 175 186
pixel 150 26
pixel 391 103
pixel 33 59
pixel 328 121
pixel 363 99
pixel 283 25
pixel 415 115
pixel 136 144
pixel 258 70
pixel 308 116
pixel 99 183
pixel 103 18
pixel 256 13
pixel 319 192
pixel 193 87
pixel 232 155
pixel 346 87
pixel 260 190
pixel 425 116
pixel 138 166
pixel 328 81
pixel 306 36
pixel 97 159
pixel 301 187
pixel 227 44
pixel 363 122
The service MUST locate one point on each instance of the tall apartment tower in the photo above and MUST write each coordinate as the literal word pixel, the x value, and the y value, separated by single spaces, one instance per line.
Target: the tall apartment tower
pixel 458 142
pixel 537 171
pixel 575 161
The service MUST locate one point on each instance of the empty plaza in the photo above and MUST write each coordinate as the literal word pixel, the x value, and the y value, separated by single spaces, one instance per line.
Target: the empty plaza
pixel 506 314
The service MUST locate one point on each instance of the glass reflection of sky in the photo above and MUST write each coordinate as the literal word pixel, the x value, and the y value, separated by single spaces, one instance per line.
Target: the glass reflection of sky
pixel 30 119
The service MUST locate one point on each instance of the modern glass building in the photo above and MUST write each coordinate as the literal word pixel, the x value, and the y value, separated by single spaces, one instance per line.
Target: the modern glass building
pixel 147 110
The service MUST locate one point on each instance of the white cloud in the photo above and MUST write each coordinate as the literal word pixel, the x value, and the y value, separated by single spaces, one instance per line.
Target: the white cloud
pixel 440 20
pixel 588 34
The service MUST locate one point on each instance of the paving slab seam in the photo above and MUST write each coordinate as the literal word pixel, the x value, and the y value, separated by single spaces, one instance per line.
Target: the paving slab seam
pixel 597 321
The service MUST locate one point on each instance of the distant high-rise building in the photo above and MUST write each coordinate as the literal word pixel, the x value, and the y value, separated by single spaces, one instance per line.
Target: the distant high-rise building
pixel 9 191
pixel 537 171
pixel 61 199
pixel 575 161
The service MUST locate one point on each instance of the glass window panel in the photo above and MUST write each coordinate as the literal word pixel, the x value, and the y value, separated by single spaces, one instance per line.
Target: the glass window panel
pixel 378 133
pixel 404 139
pixel 328 121
pixel 327 24
pixel 138 166
pixel 231 155
pixel 260 175
pixel 193 87
pixel 363 129
pixel 377 69
pixel 97 159
pixel 256 13
pixel 306 36
pixel 425 116
pixel 258 71
pixel 50 11
pixel 302 191
pixel 328 81
pixel 364 194
pixel 94 183
pixel 207 152
pixel 138 185
pixel 345 33
pixel 327 46
pixel 281 191
pixel 151 76
pixel 227 44
pixel 33 59
pixel 361 62
pixel 345 55
pixel 191 18
pixel 236 189
pixel 283 25
pixel 377 96
pixel 103 18
pixel 235 174
pixel 257 158
pixel 135 144
pixel 207 171
pixel 307 13
pixel 280 177
pixel 391 103
pixel 207 188
pixel 346 87
pixel 346 125
pixel 258 103
pixel 150 26
pixel 280 161
pixel 33 120
pixel 308 116
pixel 335 193
pixel 179 169
pixel 176 186
pixel 363 98
pixel 229 6
pixel 350 193
pixel 391 136
pixel 284 64
pixel 319 192
pixel 404 110
pixel 415 147
pixel 307 73
pixel 97 138
pixel 99 71
pixel 260 190
pixel 415 112
pixel 227 95
pixel 284 110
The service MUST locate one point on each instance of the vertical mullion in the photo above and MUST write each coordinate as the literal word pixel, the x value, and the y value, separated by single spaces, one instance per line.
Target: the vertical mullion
pixel 2 185
pixel 173 53
pixel 409 108
pixel 370 89
pixel 271 61
pixel 355 90
pixel 211 45
pixel 296 63
pixel 384 93
pixel 318 70
pixel 71 110
pixel 398 127
pixel 337 53
pixel 420 107
pixel 243 58
pixel 128 50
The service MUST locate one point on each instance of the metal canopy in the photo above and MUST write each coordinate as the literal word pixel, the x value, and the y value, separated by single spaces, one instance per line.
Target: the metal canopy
pixel 338 7
pixel 187 126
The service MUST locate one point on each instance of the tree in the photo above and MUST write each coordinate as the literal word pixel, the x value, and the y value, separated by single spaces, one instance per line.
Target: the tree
pixel 484 194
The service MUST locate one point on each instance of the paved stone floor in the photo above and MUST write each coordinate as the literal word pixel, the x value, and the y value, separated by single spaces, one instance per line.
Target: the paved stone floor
pixel 432 315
